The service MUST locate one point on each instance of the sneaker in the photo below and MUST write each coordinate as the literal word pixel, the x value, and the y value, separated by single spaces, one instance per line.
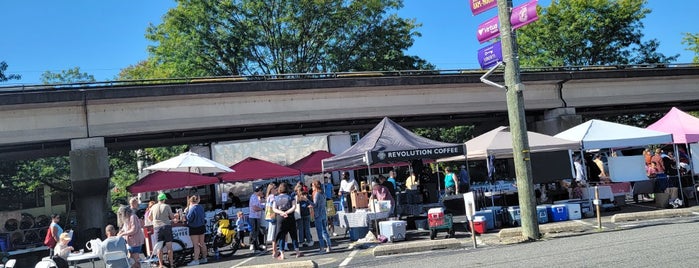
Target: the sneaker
pixel 310 243
pixel 263 247
pixel 334 234
pixel 252 247
pixel 193 263
pixel 204 260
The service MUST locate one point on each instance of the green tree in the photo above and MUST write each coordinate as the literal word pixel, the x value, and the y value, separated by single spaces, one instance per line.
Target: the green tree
pixel 691 40
pixel 3 76
pixel 588 32
pixel 66 77
pixel 244 37
pixel 457 134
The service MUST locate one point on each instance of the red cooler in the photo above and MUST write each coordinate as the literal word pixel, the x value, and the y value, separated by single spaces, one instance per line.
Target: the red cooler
pixel 435 217
pixel 479 224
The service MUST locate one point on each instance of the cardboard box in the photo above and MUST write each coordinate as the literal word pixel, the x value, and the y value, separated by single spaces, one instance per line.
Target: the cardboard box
pixel 360 200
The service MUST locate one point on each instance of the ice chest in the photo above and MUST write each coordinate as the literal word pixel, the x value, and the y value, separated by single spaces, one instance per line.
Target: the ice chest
pixel 499 213
pixel 393 230
pixel 557 213
pixel 574 211
pixel 435 217
pixel 356 233
pixel 514 218
pixel 541 214
pixel 489 218
pixel 479 224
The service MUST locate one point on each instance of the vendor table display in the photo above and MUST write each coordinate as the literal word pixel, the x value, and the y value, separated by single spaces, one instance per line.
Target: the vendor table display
pixel 359 218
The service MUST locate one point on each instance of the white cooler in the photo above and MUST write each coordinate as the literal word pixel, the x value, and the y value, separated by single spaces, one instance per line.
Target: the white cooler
pixel 393 230
pixel 574 211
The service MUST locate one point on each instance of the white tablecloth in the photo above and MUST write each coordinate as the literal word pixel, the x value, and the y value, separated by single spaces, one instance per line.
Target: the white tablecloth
pixel 359 218
pixel 75 258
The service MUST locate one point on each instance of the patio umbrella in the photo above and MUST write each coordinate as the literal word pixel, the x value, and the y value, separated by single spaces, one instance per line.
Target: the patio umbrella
pixel 190 162
pixel 164 180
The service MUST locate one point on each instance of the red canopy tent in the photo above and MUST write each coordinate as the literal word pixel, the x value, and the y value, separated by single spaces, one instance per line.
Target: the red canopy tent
pixel 252 168
pixel 164 180
pixel 311 163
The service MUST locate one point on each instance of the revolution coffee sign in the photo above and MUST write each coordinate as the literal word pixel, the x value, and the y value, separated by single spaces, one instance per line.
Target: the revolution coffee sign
pixel 404 155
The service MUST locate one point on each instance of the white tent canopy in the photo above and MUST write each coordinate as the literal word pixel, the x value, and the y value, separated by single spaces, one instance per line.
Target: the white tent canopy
pixel 498 143
pixel 599 134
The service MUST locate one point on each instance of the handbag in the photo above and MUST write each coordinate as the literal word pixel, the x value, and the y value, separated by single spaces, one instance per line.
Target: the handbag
pixel 269 213
pixel 48 240
pixel 330 208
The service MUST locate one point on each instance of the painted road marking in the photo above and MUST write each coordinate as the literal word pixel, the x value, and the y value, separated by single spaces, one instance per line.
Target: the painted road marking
pixel 349 258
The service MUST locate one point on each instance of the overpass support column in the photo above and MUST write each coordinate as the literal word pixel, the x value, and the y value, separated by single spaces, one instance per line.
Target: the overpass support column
pixel 89 174
pixel 557 120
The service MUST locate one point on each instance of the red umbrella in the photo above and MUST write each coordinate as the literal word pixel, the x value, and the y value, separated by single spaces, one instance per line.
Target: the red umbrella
pixel 164 180
pixel 311 163
pixel 252 169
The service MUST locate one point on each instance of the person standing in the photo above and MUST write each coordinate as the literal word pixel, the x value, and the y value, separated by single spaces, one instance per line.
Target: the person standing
pixel 580 177
pixel 132 231
pixel 392 179
pixel 303 224
pixel 256 217
pixel 318 204
pixel 451 182
pixel 381 193
pixel 161 215
pixel 464 184
pixel 283 207
pixel 412 181
pixel 146 216
pixel 347 185
pixel 56 231
pixel 241 226
pixel 328 190
pixel 196 222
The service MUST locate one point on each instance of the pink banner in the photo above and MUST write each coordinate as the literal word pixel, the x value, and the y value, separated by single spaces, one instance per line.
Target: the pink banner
pixel 488 30
pixel 480 6
pixel 524 14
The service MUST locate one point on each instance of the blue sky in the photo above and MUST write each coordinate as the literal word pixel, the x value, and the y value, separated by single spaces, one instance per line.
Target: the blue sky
pixel 103 37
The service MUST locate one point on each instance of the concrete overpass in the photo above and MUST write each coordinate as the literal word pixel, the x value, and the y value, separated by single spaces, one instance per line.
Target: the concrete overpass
pixel 38 121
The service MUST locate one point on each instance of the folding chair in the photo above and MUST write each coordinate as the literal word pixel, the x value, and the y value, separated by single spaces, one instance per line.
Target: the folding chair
pixel 9 264
pixel 117 259
pixel 45 263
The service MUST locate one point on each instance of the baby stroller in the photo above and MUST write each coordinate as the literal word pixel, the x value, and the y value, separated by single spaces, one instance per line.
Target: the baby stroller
pixel 223 241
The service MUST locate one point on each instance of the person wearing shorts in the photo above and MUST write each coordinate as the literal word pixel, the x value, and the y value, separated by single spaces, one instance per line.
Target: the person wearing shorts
pixel 162 216
pixel 196 221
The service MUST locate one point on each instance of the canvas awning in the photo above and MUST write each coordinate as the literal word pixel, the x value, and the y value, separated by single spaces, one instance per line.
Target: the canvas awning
pixel 599 134
pixel 312 163
pixel 388 142
pixel 165 180
pixel 252 169
pixel 498 143
pixel 683 126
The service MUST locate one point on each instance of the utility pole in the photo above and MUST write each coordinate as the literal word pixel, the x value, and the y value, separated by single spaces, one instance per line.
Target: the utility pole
pixel 518 123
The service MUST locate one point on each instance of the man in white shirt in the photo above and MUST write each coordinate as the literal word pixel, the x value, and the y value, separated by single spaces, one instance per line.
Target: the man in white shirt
pixel 347 185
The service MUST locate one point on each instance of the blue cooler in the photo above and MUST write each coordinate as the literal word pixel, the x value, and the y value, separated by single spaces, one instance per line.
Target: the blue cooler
pixel 557 212
pixel 514 218
pixel 541 214
pixel 489 218
pixel 500 215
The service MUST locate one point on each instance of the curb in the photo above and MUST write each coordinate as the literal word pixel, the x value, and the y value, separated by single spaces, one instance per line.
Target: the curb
pixel 417 246
pixel 649 215
pixel 567 226
pixel 303 264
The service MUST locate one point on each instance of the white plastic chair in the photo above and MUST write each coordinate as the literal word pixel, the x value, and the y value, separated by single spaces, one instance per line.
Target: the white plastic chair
pixel 117 259
pixel 45 264
pixel 9 264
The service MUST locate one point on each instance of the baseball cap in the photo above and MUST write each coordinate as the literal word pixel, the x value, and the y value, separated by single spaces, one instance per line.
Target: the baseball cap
pixel 162 197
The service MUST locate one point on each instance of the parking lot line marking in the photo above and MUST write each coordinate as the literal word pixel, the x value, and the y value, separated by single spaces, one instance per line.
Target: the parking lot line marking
pixel 349 258
pixel 247 260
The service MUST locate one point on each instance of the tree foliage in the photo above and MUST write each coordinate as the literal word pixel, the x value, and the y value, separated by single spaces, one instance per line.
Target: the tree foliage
pixel 691 40
pixel 244 37
pixel 589 32
pixel 5 77
pixel 66 77
pixel 457 134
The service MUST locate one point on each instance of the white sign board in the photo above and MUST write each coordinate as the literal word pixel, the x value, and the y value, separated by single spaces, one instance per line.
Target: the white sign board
pixel 470 205
pixel 627 168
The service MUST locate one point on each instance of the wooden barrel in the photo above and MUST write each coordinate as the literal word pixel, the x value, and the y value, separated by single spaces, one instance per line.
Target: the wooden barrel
pixel 42 221
pixel 27 221
pixel 11 225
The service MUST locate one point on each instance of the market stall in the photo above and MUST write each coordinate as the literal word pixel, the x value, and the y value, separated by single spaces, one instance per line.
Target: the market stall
pixel 389 144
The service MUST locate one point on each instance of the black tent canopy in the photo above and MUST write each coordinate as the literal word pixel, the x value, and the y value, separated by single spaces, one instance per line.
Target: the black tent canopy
pixel 388 142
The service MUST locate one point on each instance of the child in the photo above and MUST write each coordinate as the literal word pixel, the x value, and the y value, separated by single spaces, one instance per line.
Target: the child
pixel 241 226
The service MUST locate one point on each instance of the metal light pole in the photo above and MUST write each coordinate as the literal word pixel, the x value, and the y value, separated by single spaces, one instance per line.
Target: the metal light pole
pixel 518 127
